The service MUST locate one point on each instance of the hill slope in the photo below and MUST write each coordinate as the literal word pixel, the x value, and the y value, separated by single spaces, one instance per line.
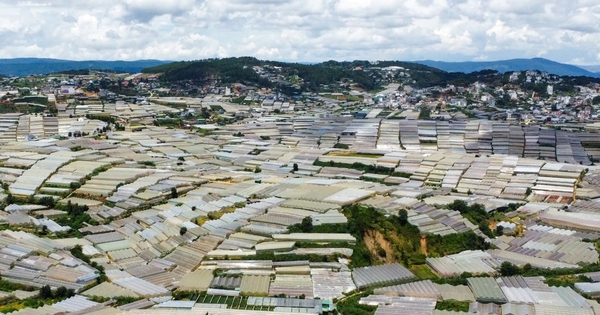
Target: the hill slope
pixel 594 69
pixel 512 65
pixel 284 75
pixel 29 66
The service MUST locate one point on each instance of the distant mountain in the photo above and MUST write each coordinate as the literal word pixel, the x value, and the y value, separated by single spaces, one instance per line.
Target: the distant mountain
pixel 29 66
pixel 595 69
pixel 540 64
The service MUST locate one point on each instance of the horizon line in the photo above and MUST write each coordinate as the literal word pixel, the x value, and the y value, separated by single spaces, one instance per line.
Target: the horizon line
pixel 294 61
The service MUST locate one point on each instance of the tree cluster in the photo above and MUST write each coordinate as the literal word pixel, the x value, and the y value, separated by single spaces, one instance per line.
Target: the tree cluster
pixel 475 213
pixel 60 294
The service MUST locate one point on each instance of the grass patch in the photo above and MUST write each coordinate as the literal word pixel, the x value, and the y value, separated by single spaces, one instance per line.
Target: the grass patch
pixel 452 305
pixel 217 215
pixel 422 272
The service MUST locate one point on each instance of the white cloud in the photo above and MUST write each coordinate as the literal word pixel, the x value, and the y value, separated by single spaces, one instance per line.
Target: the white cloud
pixel 301 30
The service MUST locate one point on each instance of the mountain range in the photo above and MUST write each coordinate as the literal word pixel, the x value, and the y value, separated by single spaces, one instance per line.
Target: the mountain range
pixel 40 66
pixel 540 64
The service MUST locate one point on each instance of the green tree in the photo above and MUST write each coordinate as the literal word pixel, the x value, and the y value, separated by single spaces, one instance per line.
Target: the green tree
pixel 307 225
pixel 499 230
pixel 61 292
pixel 507 269
pixel 425 113
pixel 182 230
pixel 402 217
pixel 48 202
pixel 10 199
pixel 174 193
pixel 295 167
pixel 485 229
pixel 46 292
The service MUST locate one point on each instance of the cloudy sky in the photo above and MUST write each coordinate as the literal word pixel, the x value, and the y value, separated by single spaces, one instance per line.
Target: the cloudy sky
pixel 302 30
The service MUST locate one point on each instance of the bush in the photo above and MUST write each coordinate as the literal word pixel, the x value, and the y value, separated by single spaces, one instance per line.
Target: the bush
pixel 307 225
pixel 507 269
pixel 499 230
pixel 452 305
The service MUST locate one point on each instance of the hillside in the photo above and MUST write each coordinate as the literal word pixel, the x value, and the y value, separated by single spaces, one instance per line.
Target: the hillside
pixel 36 66
pixel 594 69
pixel 502 66
pixel 310 77
pixel 274 74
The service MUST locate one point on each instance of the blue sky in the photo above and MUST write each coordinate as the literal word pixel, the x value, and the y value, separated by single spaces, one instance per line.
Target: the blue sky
pixel 302 30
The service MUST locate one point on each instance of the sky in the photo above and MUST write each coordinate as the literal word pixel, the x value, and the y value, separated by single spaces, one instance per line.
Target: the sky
pixel 302 30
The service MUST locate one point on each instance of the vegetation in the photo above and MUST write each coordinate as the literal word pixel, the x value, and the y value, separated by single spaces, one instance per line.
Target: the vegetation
pixel 12 305
pixel 528 271
pixel 147 163
pixel 42 100
pixel 320 77
pixel 452 305
pixel 438 246
pixel 60 294
pixel 361 220
pixel 169 122
pixel 401 239
pixel 341 146
pixel 374 169
pixel 7 286
pixel 307 227
pixel 228 70
pixel 423 272
pixel 350 305
pixel 77 252
pixel 425 113
pixel 21 108
pixel 75 219
pixel 403 217
pixel 291 257
pixel 507 269
pixel 475 213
